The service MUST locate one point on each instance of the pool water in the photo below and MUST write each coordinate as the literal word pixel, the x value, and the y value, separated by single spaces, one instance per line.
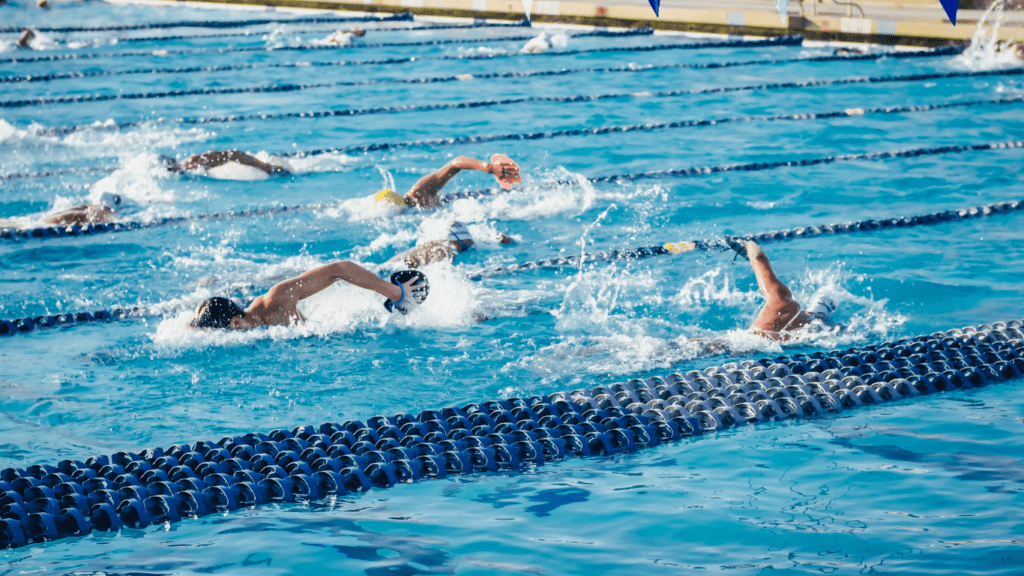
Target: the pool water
pixel 931 485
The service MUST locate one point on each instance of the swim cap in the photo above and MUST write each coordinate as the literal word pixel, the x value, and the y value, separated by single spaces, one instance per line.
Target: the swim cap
pixel 110 201
pixel 821 309
pixel 279 162
pixel 170 163
pixel 401 277
pixel 389 196
pixel 216 312
pixel 457 232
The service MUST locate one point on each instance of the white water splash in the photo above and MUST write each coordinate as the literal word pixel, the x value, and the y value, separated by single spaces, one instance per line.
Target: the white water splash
pixel 545 42
pixel 986 52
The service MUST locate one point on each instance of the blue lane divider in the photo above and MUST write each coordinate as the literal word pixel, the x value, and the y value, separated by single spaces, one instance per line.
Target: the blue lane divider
pixel 400 17
pixel 778 41
pixel 530 100
pixel 592 131
pixel 421 28
pixel 632 68
pixel 46 502
pixel 99 228
pixel 28 324
pixel 235 67
pixel 723 243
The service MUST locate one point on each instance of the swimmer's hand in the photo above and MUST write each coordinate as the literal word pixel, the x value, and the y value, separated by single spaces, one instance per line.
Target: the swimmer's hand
pixel 414 289
pixel 504 239
pixel 505 170
pixel 738 245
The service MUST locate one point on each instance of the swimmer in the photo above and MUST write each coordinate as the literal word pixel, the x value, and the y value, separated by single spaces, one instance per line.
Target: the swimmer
pixel 279 306
pixel 26 38
pixel 423 193
pixel 849 51
pixel 457 242
pixel 229 165
pixel 343 37
pixel 781 314
pixel 80 215
pixel 44 4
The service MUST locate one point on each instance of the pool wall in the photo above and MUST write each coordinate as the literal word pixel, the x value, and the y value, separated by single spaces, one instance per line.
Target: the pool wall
pixel 919 23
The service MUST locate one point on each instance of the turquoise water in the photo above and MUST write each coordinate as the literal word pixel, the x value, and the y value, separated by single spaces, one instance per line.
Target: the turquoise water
pixel 933 485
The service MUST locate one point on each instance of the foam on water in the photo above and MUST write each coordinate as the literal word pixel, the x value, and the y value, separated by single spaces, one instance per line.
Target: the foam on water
pixel 986 51
pixel 338 310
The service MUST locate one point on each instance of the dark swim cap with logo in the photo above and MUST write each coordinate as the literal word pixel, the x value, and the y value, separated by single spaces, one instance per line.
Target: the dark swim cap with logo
pixel 216 312
pixel 401 277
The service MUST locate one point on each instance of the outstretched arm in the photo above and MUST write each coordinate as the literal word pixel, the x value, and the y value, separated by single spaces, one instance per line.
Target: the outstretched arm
pixel 215 158
pixel 424 193
pixel 301 287
pixel 770 285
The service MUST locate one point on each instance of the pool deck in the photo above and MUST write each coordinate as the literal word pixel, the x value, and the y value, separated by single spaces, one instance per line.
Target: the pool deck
pixel 892 22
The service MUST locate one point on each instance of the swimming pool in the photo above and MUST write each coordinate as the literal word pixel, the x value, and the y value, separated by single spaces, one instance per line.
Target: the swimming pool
pixel 924 485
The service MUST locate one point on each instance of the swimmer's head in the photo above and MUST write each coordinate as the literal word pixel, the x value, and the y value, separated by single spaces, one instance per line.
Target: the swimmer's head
pixel 216 312
pixel 170 163
pixel 282 167
pixel 388 198
pixel 457 232
pixel 110 201
pixel 821 309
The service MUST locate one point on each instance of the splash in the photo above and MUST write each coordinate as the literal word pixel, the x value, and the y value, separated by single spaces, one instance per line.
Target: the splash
pixel 545 42
pixel 339 310
pixel 986 51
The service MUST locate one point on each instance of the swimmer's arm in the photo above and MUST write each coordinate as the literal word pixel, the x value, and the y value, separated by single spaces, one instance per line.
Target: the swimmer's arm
pixel 424 192
pixel 301 287
pixel 770 285
pixel 215 158
pixel 80 215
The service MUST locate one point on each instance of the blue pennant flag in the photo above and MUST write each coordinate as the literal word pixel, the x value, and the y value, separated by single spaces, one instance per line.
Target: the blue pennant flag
pixel 783 7
pixel 656 4
pixel 950 7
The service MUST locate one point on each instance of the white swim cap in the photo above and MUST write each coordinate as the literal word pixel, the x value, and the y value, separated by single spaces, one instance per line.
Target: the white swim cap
pixel 821 309
pixel 457 232
pixel 110 201
pixel 276 160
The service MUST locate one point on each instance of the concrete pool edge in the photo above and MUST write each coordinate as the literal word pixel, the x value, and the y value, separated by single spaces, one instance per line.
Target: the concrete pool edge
pixel 827 28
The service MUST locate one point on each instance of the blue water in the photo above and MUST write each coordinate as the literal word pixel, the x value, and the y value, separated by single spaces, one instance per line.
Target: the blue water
pixel 926 486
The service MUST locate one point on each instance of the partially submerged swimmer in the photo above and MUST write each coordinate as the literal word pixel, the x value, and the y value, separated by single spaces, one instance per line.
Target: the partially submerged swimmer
pixel 344 37
pixel 423 193
pixel 457 242
pixel 781 314
pixel 279 306
pixel 26 38
pixel 229 165
pixel 81 215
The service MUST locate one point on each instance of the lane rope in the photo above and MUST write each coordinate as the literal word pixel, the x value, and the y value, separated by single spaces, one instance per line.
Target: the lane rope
pixel 400 17
pixel 947 51
pixel 534 99
pixel 421 28
pixel 31 323
pixel 45 502
pixel 777 41
pixel 592 131
pixel 235 67
pixel 723 243
pixel 15 234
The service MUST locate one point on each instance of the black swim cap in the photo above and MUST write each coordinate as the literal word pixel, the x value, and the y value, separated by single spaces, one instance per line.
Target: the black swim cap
pixel 216 313
pixel 401 277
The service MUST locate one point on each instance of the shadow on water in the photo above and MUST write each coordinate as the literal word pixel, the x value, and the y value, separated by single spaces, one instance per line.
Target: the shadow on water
pixel 548 500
